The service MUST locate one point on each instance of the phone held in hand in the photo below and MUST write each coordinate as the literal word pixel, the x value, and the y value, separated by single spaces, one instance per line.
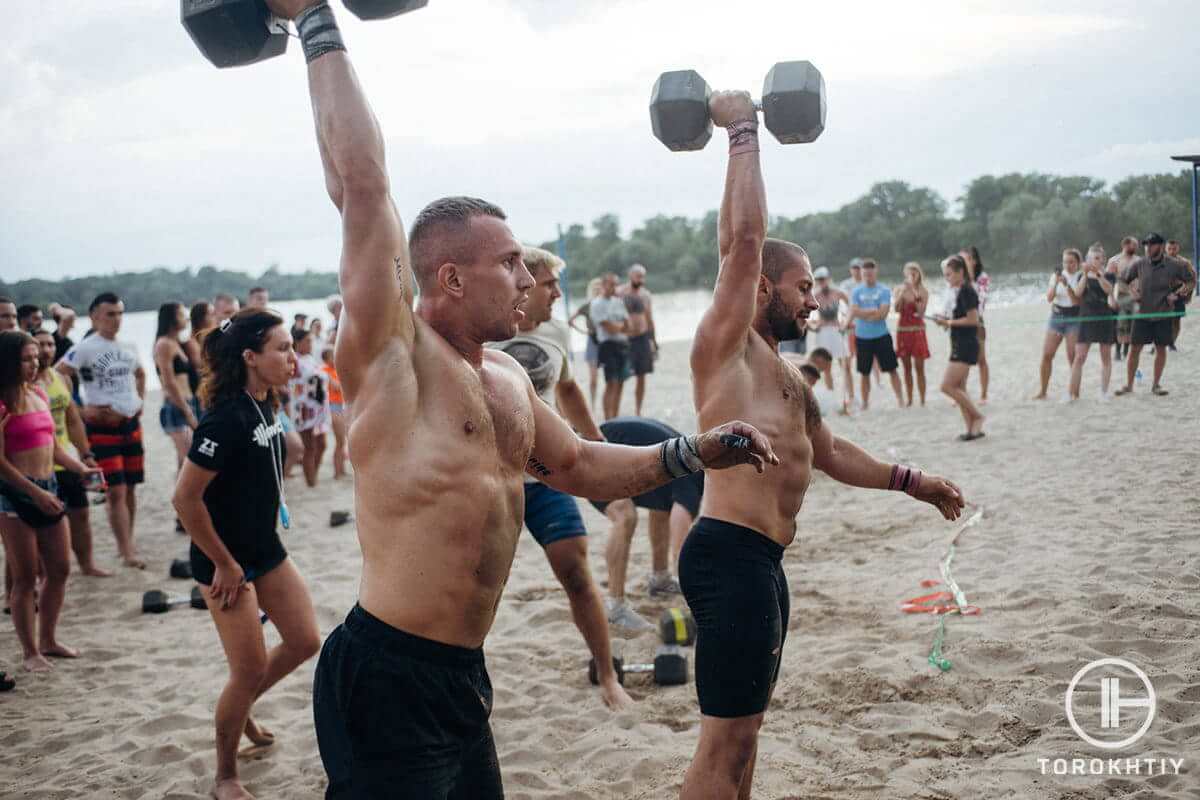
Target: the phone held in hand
pixel 95 482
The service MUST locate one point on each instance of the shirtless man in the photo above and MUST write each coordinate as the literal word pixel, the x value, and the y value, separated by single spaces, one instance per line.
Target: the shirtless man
pixel 1125 294
pixel 1180 304
pixel 643 345
pixel 730 565
pixel 441 434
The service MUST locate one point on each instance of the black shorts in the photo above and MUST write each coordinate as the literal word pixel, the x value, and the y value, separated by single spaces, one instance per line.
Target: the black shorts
pixel 1098 331
pixel 70 489
pixel 687 491
pixel 878 348
pixel 614 357
pixel 641 354
pixel 965 350
pixel 399 716
pixel 732 578
pixel 1159 332
pixel 255 558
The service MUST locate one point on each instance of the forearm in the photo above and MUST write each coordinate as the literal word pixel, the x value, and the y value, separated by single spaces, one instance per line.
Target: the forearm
pixel 140 382
pixel 68 461
pixel 77 433
pixel 605 471
pixel 849 464
pixel 348 134
pixel 198 523
pixel 743 219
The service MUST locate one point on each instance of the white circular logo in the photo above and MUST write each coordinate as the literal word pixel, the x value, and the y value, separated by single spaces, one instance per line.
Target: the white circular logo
pixel 1111 703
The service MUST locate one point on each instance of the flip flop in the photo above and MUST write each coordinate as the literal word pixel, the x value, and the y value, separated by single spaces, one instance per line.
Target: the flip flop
pixel 1122 390
pixel 1158 390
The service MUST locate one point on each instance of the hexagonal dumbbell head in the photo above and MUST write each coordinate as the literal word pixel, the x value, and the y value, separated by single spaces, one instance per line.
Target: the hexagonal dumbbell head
pixel 231 33
pixel 382 9
pixel 679 110
pixel 793 102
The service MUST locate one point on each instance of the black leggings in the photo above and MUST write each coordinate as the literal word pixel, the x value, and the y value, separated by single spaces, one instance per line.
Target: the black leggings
pixel 400 717
pixel 732 578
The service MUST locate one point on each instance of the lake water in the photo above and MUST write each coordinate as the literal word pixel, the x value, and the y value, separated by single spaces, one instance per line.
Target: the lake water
pixel 676 314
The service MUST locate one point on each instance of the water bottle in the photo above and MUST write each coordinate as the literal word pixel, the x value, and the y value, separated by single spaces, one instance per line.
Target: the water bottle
pixel 1138 376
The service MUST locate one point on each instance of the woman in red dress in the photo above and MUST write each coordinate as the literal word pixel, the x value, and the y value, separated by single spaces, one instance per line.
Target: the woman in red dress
pixel 911 346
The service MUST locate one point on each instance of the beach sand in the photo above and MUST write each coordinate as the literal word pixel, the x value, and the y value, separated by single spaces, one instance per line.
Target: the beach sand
pixel 1087 548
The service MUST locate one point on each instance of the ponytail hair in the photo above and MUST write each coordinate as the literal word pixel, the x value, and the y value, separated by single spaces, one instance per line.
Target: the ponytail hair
pixel 223 373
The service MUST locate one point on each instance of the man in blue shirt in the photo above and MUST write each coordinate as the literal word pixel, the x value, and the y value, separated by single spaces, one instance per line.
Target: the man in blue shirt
pixel 869 306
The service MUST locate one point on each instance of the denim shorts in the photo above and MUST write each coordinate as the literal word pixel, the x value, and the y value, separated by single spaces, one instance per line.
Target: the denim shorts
pixel 172 418
pixel 15 503
pixel 1062 321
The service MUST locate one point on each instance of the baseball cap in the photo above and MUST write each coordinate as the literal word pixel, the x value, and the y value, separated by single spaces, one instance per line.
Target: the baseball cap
pixel 821 272
pixel 1154 238
pixel 855 262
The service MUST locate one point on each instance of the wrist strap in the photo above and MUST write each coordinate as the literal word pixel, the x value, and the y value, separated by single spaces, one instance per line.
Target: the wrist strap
pixel 905 479
pixel 318 32
pixel 743 137
pixel 680 457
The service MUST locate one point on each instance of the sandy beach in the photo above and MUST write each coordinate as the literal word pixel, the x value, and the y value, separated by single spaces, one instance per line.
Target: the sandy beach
pixel 1087 548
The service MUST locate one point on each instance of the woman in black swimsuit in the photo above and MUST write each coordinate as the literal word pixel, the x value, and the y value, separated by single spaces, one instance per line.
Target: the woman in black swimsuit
pixel 180 413
pixel 229 496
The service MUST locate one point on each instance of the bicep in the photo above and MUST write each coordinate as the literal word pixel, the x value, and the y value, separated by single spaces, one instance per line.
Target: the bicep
pixel 374 277
pixel 724 325
pixel 556 448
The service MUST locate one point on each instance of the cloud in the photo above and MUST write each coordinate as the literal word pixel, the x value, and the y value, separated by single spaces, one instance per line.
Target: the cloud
pixel 129 149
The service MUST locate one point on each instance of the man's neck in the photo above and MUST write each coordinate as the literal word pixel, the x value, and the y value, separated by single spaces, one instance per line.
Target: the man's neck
pixel 466 345
pixel 764 330
pixel 112 337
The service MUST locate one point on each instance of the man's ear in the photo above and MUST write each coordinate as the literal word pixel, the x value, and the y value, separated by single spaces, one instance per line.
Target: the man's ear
pixel 450 279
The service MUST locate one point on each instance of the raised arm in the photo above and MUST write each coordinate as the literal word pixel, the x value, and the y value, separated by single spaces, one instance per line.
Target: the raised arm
pixel 741 232
pixel 375 269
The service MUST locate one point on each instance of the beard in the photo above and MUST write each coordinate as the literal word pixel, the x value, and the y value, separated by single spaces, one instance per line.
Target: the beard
pixel 781 320
pixel 636 284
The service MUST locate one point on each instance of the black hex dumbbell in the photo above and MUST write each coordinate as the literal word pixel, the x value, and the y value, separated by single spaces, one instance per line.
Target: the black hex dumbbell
pixel 181 568
pixel 669 668
pixel 157 602
pixel 676 626
pixel 793 106
pixel 232 33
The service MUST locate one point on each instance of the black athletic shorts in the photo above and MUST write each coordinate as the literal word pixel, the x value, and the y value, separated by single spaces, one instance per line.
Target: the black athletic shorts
pixel 400 717
pixel 732 578
pixel 256 558
pixel 641 354
pixel 965 351
pixel 614 357
pixel 1159 332
pixel 878 348
pixel 70 489
pixel 687 491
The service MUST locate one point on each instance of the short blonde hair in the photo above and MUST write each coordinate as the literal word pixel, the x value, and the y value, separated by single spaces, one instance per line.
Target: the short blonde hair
pixel 593 289
pixel 536 259
pixel 916 267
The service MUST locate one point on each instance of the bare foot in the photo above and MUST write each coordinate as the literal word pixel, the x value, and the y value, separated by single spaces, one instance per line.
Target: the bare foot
pixel 615 696
pixel 56 650
pixel 95 572
pixel 135 562
pixel 1041 396
pixel 977 426
pixel 230 789
pixel 257 733
pixel 37 663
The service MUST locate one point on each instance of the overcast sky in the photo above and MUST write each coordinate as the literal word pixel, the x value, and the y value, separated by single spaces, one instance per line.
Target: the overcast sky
pixel 124 149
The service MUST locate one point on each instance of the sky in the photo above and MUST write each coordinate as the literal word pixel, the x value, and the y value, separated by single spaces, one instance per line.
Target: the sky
pixel 123 149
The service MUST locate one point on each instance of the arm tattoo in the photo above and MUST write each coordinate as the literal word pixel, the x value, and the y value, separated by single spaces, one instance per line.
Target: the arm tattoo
pixel 812 411
pixel 399 262
pixel 537 466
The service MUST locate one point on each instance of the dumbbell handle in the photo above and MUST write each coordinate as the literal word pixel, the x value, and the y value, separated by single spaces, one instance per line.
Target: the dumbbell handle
pixel 636 668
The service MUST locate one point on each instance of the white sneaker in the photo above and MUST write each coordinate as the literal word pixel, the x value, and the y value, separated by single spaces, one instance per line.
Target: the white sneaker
pixel 663 584
pixel 621 614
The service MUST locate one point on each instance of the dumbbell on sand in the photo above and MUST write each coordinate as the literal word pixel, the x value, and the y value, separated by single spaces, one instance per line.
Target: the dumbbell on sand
pixel 231 33
pixel 181 568
pixel 793 106
pixel 158 602
pixel 669 668
pixel 676 626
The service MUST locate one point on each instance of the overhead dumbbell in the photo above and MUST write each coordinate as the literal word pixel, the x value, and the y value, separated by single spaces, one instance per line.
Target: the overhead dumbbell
pixel 793 106
pixel 157 602
pixel 676 626
pixel 232 33
pixel 669 667
pixel 181 568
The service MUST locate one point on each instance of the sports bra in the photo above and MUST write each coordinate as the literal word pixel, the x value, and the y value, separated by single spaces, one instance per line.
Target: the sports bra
pixel 179 365
pixel 30 430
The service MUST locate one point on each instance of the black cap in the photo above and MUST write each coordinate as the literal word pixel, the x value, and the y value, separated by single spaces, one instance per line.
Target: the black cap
pixel 1154 238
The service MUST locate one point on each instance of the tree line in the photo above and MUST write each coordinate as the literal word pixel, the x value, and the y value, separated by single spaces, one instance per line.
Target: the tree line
pixel 1019 222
